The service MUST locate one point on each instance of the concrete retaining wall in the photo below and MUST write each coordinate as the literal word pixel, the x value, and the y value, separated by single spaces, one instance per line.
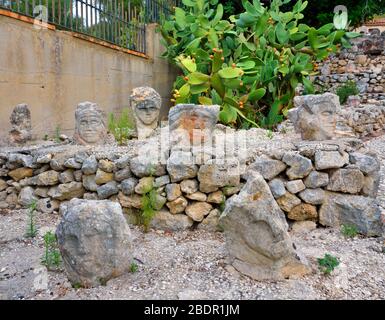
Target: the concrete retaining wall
pixel 52 71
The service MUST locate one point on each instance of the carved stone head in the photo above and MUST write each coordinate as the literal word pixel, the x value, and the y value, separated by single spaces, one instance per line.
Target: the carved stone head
pixel 90 126
pixel 146 104
pixel 21 128
pixel 315 116
pixel 192 124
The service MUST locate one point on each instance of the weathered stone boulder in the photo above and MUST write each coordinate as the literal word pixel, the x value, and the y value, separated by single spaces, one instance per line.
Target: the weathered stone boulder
pixel 316 180
pixel 300 166
pixel 313 196
pixel 288 201
pixel 67 191
pixel 180 166
pixel 211 222
pixel 94 240
pixel 107 190
pixel 361 212
pixel 256 234
pixel 277 188
pixel 26 197
pixel 178 205
pixel 302 212
pixel 90 165
pixel 198 210
pixel 346 180
pixel 164 220
pixel 218 173
pixel 330 159
pixel 268 168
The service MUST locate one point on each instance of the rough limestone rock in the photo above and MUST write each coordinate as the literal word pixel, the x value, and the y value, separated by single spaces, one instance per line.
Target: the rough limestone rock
pixel 268 168
pixel 47 205
pixel 67 191
pixel 89 183
pixel 72 164
pixel 211 222
pixel 346 180
pixel 144 185
pixel 103 177
pixel 48 178
pixel 180 166
pixel 128 186
pixel 146 165
pixel 216 197
pixel 316 180
pixel 303 227
pixel 90 165
pixel 162 181
pixel 130 201
pixel 216 174
pixel 20 173
pixel 189 186
pixel 3 185
pixel 178 205
pixel 107 190
pixel 164 220
pixel 371 185
pixel 313 196
pixel 197 196
pixel 277 188
pixel 300 166
pixel 173 191
pixel 359 211
pixel 256 234
pixel 106 165
pixel 367 164
pixel 122 174
pixel 288 201
pixel 295 186
pixel 330 159
pixel 66 176
pixel 26 197
pixel 21 127
pixel 302 212
pixel 198 210
pixel 94 240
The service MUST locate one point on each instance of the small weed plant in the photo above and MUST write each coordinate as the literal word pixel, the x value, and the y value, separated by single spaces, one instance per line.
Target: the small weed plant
pixel 328 263
pixel 121 127
pixel 349 231
pixel 134 267
pixel 346 90
pixel 31 227
pixel 51 258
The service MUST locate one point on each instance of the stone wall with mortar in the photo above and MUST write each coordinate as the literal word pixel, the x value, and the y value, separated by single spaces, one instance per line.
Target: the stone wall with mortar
pixel 52 71
pixel 329 182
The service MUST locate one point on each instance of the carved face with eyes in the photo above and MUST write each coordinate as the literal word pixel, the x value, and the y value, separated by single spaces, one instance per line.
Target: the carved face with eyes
pixel 317 117
pixel 90 128
pixel 147 111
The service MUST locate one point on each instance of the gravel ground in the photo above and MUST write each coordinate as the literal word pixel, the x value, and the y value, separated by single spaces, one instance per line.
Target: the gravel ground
pixel 193 265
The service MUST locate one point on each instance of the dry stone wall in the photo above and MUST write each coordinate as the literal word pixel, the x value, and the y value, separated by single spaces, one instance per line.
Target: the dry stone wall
pixel 328 182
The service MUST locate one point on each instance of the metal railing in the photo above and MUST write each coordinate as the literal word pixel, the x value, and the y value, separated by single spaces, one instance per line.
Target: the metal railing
pixel 119 22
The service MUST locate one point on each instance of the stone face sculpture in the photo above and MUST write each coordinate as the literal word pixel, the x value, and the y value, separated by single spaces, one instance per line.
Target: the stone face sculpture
pixel 94 241
pixel 192 125
pixel 315 116
pixel 146 104
pixel 20 125
pixel 90 126
pixel 256 234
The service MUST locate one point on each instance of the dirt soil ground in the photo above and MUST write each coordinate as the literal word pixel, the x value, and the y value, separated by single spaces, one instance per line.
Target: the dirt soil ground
pixel 193 265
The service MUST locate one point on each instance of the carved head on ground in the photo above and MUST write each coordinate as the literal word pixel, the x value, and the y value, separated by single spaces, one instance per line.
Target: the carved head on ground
pixel 315 116
pixel 90 128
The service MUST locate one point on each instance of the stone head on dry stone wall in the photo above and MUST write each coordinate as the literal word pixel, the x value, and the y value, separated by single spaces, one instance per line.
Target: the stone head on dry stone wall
pixel 146 104
pixel 192 124
pixel 20 125
pixel 90 128
pixel 315 116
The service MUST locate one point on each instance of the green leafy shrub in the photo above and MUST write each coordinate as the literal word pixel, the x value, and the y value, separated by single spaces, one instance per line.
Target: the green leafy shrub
pixel 249 64
pixel 328 263
pixel 51 258
pixel 121 127
pixel 349 231
pixel 346 90
pixel 31 231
